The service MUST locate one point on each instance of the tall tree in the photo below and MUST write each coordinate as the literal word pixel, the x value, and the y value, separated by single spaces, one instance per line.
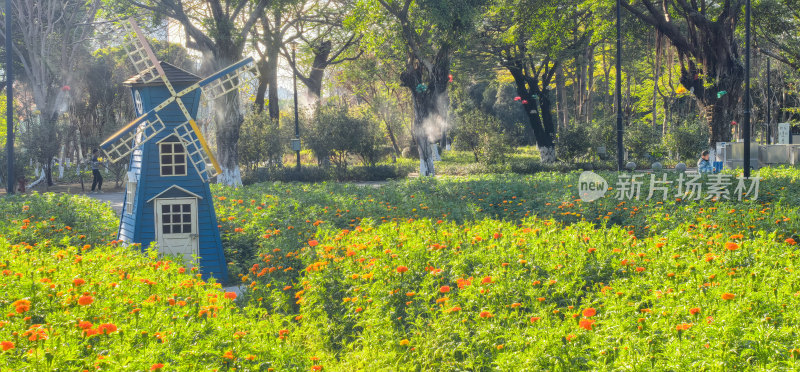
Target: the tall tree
pixel 50 36
pixel 320 28
pixel 704 35
pixel 425 33
pixel 532 39
pixel 218 29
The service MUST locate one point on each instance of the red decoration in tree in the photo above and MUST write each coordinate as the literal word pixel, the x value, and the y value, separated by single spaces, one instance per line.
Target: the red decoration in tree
pixel 450 78
pixel 733 122
pixel 65 88
pixel 524 102
pixel 517 98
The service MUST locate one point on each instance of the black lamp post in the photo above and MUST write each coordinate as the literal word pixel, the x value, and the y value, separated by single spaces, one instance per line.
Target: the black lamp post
pixel 620 164
pixel 746 129
pixel 9 100
pixel 296 119
pixel 769 107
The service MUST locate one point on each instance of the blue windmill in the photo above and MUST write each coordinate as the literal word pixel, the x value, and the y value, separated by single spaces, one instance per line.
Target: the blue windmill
pixel 168 200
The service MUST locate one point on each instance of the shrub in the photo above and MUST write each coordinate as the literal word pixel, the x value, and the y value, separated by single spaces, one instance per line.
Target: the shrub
pixel 643 142
pixel 573 143
pixel 687 140
pixel 336 133
pixel 483 135
pixel 262 141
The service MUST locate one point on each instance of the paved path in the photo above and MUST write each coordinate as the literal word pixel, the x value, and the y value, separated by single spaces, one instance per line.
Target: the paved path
pixel 113 199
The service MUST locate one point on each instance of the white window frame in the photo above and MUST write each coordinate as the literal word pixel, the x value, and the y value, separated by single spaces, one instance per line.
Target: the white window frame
pixel 130 193
pixel 172 155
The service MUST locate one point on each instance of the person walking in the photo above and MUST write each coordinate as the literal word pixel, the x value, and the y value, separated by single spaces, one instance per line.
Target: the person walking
pixel 97 178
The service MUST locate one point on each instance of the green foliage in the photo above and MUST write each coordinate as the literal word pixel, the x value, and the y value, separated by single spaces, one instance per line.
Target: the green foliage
pixel 483 135
pixel 73 299
pixel 643 142
pixel 337 133
pixel 264 141
pixel 522 259
pixel 381 172
pixel 688 140
pixel 573 142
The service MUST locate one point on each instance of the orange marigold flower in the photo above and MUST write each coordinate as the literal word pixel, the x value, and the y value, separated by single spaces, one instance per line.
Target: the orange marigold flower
pixel 85 325
pixel 790 241
pixel 639 269
pixel 486 280
pixel 107 328
pixel 497 235
pixel 731 246
pixel 444 289
pixel 454 309
pixel 21 306
pixel 404 342
pixel 586 324
pixel 228 355
pixel 156 367
pixel 589 312
pixel 728 296
pixel 683 326
pixel 313 243
pixel 78 282
pixel 485 314
pixel 401 269
pixel 316 367
pixel 85 300
pixel 694 310
pixel 570 337
pixel 592 250
pixel 7 345
pixel 535 319
pixel 230 295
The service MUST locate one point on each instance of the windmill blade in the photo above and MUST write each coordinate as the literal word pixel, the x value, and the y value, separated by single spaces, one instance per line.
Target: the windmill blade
pixel 131 136
pixel 228 79
pixel 207 155
pixel 137 52
pixel 197 149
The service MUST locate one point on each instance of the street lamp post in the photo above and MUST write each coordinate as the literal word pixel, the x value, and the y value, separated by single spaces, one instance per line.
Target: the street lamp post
pixel 296 119
pixel 9 101
pixel 769 108
pixel 746 129
pixel 619 91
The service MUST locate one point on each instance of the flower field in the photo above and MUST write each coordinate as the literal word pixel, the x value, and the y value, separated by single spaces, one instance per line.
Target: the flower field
pixel 481 273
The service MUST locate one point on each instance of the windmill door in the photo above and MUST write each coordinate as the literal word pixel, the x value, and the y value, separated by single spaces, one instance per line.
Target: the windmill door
pixel 176 227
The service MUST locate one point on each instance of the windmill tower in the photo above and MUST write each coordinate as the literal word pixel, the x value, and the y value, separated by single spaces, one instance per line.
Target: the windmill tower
pixel 167 198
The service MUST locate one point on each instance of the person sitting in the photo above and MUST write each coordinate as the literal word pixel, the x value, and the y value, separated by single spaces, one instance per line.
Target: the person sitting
pixel 704 165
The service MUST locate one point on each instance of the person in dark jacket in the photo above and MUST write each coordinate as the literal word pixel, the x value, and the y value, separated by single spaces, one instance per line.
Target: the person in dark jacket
pixel 97 178
pixel 704 165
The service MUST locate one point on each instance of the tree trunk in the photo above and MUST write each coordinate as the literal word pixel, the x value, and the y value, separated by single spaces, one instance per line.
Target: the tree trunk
pixel 263 82
pixel 392 138
pixel 228 118
pixel 272 72
pixel 424 115
pixel 589 97
pixel 534 100
pixel 656 71
pixel 561 97
pixel 314 82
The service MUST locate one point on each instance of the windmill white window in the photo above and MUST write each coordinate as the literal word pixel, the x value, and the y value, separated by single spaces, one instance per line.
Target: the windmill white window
pixel 172 155
pixel 130 193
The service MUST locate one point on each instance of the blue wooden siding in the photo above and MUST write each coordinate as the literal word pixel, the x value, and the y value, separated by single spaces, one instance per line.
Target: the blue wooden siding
pixel 139 225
